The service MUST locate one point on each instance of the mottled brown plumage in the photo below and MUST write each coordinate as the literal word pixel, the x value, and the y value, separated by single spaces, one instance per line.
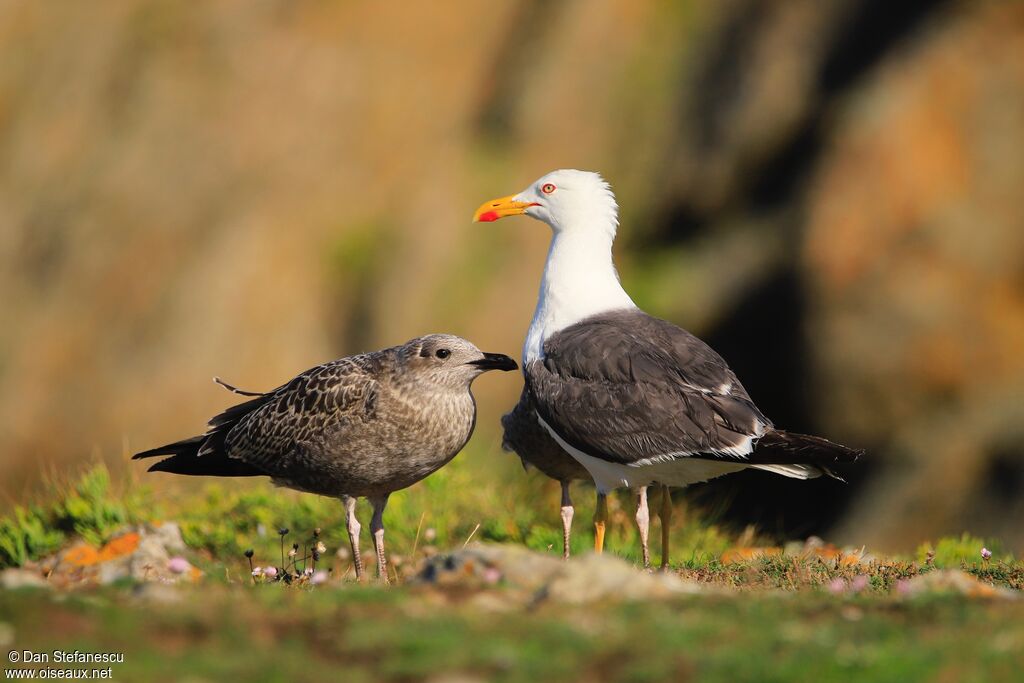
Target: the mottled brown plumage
pixel 525 436
pixel 365 425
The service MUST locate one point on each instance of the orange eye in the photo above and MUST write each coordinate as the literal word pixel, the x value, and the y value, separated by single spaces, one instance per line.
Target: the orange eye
pixel 547 188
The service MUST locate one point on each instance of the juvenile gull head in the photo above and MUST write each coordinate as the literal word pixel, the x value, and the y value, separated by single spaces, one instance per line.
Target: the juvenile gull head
pixel 445 360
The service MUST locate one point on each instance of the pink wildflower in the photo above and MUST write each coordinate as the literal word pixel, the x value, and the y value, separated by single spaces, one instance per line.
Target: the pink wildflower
pixel 859 583
pixel 178 565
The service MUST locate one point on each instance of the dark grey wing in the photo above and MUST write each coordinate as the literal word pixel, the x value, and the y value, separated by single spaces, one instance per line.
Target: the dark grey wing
pixel 297 415
pixel 629 388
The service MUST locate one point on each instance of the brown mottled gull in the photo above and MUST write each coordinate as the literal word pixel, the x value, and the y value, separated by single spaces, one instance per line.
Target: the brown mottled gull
pixel 361 426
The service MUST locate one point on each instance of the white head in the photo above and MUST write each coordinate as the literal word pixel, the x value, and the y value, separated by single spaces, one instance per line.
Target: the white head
pixel 567 200
pixel 579 277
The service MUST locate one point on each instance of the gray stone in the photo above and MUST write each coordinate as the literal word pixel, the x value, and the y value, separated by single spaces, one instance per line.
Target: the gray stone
pixel 956 581
pixel 15 578
pixel 530 577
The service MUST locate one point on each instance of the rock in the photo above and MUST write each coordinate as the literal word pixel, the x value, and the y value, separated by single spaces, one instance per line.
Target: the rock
pixel 529 577
pixel 604 577
pixel 150 560
pixel 478 566
pixel 169 534
pixel 954 581
pixel 15 578
pixel 143 554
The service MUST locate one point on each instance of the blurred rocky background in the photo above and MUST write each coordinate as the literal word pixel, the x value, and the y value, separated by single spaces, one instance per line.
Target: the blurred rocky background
pixel 832 194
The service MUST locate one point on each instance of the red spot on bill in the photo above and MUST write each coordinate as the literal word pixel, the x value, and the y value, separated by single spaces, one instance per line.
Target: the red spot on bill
pixel 488 217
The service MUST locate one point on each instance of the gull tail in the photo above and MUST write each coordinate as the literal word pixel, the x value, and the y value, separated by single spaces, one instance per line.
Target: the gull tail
pixel 801 456
pixel 206 455
pixel 201 455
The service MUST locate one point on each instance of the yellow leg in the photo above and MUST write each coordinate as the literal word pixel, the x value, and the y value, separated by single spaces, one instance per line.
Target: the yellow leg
pixel 600 519
pixel 666 524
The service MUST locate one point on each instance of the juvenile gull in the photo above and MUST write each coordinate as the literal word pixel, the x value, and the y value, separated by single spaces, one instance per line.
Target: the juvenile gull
pixel 535 447
pixel 361 426
pixel 634 399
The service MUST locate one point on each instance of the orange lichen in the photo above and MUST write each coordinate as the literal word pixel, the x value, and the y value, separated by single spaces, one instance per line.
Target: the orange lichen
pixel 119 547
pixel 81 556
pixel 736 555
pixel 85 555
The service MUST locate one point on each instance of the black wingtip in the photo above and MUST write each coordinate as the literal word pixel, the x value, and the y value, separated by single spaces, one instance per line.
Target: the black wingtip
pixel 176 448
pixel 153 452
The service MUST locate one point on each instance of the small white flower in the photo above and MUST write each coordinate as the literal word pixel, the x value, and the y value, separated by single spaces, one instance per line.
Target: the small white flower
pixel 257 571
pixel 986 554
pixel 320 547
pixel 318 577
pixel 270 572
pixel 292 552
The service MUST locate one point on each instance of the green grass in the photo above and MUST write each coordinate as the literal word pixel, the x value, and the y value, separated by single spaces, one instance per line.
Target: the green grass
pixel 222 519
pixel 89 508
pixel 373 634
pixel 766 619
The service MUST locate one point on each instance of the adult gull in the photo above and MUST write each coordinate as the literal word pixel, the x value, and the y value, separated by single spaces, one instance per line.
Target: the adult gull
pixel 634 399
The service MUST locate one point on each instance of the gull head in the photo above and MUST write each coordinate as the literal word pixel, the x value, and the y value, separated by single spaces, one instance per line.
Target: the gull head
pixel 567 200
pixel 447 360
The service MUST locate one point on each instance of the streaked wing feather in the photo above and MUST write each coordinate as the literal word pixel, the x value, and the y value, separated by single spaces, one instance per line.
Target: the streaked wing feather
pixel 298 414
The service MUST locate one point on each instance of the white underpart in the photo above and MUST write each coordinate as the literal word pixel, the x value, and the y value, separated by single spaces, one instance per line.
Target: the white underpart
pixel 740 451
pixel 793 471
pixel 681 471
